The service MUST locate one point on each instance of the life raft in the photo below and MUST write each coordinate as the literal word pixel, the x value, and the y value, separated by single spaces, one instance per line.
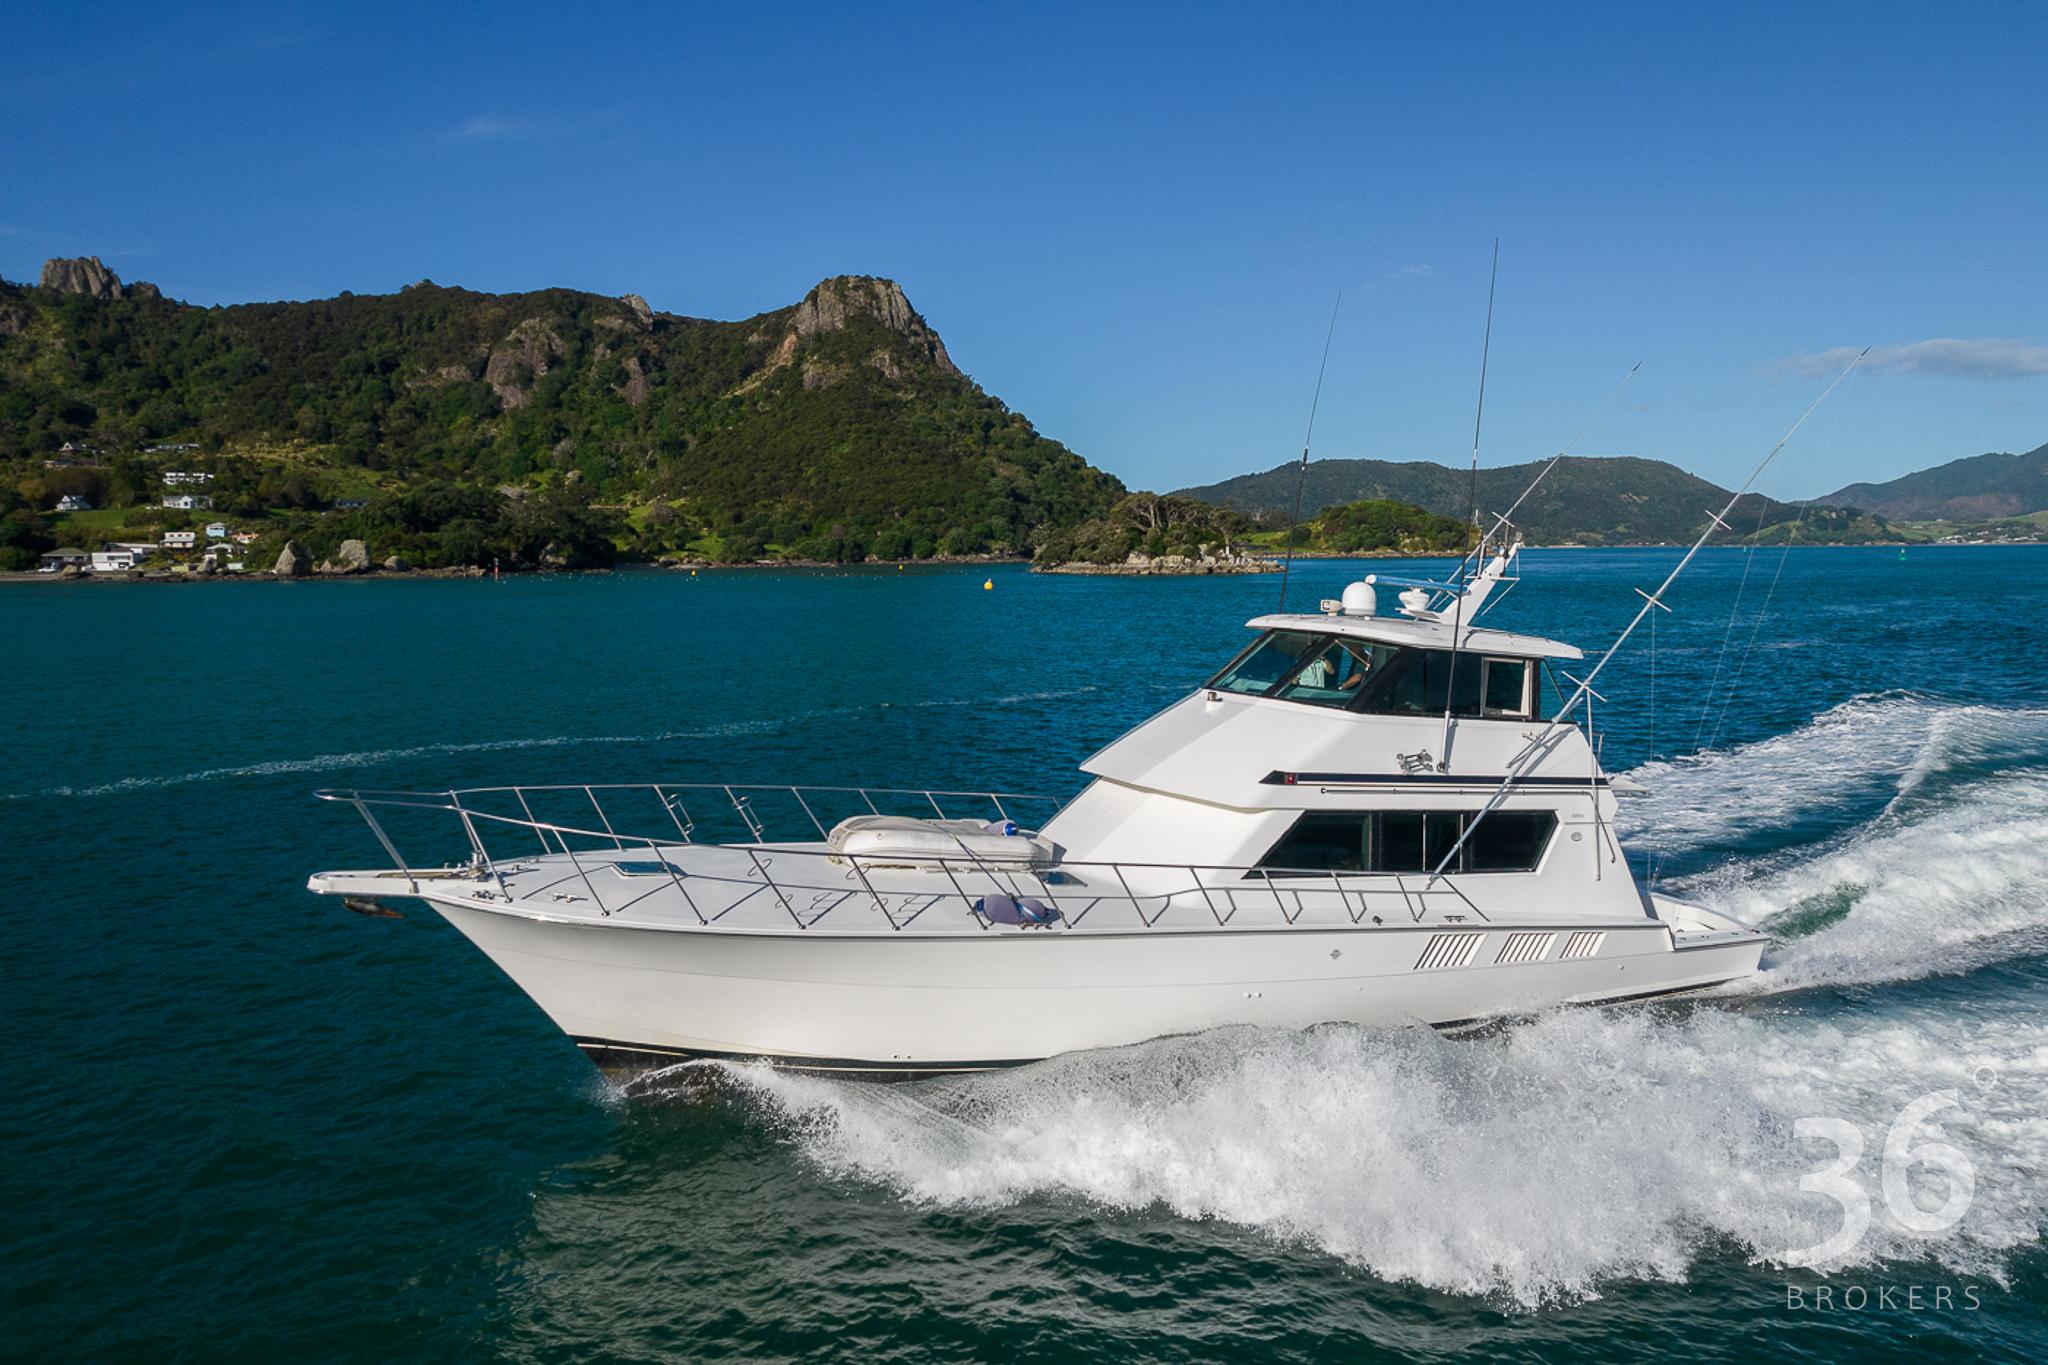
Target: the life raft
pixel 906 841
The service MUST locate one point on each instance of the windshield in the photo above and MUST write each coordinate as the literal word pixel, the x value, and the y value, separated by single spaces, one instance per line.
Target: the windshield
pixel 1377 678
pixel 1273 656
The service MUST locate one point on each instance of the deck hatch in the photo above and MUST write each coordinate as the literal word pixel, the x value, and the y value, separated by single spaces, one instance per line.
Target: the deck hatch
pixel 1448 950
pixel 1531 946
pixel 1584 943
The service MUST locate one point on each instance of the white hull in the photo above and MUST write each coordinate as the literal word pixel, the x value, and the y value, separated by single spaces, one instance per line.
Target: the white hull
pixel 907 1005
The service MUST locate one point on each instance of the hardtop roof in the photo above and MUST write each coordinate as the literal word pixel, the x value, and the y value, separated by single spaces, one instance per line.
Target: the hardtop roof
pixel 1424 634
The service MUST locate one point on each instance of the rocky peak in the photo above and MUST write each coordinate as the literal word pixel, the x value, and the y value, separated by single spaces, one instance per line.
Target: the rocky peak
pixel 81 275
pixel 835 302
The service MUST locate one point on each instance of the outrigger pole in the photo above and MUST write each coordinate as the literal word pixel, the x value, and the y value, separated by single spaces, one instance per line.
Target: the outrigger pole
pixel 1718 522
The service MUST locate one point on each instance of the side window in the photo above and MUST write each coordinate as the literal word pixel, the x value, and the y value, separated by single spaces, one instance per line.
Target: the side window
pixel 1323 841
pixel 1410 841
pixel 1505 691
pixel 1510 841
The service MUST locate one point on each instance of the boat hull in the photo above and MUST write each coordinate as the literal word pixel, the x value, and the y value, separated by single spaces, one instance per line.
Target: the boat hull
pixel 908 1005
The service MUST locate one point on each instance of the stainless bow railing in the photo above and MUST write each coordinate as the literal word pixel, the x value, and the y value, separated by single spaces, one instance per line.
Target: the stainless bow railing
pixel 819 884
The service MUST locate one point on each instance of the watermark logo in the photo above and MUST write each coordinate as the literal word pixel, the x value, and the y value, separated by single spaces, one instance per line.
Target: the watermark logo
pixel 1905 1148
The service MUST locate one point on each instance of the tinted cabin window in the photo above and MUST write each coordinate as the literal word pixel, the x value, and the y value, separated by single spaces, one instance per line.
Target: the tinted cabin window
pixel 1333 841
pixel 1504 687
pixel 1409 841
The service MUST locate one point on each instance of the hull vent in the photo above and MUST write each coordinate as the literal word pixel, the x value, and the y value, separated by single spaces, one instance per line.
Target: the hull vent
pixel 1448 950
pixel 1585 943
pixel 1527 947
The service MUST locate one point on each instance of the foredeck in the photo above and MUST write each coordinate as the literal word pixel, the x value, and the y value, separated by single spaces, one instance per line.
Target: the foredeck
pixel 596 871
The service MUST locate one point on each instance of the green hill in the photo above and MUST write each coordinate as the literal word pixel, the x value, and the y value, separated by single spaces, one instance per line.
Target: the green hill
pixel 1979 488
pixel 833 428
pixel 1615 501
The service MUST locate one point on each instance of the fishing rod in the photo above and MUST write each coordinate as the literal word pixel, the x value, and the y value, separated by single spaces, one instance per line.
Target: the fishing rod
pixel 1541 744
pixel 1301 473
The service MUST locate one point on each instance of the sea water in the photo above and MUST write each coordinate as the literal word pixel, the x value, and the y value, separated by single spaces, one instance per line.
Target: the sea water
pixel 242 1123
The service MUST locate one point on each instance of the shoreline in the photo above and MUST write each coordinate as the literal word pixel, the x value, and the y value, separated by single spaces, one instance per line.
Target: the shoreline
pixel 158 576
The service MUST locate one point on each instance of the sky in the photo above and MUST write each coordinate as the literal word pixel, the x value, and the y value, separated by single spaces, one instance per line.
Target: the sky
pixel 1133 223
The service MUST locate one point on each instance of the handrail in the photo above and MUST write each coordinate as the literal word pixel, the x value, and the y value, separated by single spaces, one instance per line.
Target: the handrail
pixel 1082 885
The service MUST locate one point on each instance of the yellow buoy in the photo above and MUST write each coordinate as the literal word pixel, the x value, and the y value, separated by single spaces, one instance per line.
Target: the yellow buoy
pixel 988 585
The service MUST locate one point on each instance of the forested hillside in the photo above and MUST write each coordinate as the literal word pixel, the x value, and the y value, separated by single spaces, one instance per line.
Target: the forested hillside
pixel 831 429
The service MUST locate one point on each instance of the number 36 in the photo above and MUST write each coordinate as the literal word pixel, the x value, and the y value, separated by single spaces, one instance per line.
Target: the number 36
pixel 1900 1156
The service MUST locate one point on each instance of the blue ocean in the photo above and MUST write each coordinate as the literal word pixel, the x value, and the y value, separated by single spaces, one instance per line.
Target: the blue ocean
pixel 243 1124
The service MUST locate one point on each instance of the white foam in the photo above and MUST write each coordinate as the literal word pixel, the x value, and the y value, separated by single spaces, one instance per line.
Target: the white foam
pixel 1883 747
pixel 1530 1166
pixel 1941 890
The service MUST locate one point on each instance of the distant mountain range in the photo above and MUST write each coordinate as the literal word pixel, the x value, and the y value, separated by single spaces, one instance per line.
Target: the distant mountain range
pixel 1979 488
pixel 1623 500
pixel 1615 501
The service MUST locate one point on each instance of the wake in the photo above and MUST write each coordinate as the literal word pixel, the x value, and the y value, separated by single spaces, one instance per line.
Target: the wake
pixel 1930 854
pixel 1545 1162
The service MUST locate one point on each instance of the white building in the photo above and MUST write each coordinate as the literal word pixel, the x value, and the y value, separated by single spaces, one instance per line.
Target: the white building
pixel 71 502
pixel 188 502
pixel 216 530
pixel 180 540
pixel 112 561
pixel 187 478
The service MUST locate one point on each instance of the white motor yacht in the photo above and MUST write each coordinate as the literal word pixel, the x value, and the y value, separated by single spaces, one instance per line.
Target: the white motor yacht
pixel 1377 818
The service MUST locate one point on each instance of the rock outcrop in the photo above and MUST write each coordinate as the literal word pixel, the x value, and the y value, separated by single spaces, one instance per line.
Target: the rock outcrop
pixel 352 557
pixel 518 360
pixel 836 302
pixel 293 561
pixel 640 309
pixel 1146 566
pixel 82 275
pixel 397 564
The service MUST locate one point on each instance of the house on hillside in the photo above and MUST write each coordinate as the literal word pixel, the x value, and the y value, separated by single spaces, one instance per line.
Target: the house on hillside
pixel 112 561
pixel 71 502
pixel 216 530
pixel 247 537
pixel 188 502
pixel 180 540
pixel 56 561
pixel 187 478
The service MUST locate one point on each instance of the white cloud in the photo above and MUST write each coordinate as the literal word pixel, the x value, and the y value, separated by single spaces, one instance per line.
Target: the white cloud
pixel 1978 358
pixel 492 125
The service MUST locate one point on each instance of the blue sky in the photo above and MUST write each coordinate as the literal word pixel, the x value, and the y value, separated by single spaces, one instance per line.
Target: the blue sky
pixel 1131 222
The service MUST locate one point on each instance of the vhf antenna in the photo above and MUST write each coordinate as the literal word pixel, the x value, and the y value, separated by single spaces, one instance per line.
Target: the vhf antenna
pixel 1301 473
pixel 1443 763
